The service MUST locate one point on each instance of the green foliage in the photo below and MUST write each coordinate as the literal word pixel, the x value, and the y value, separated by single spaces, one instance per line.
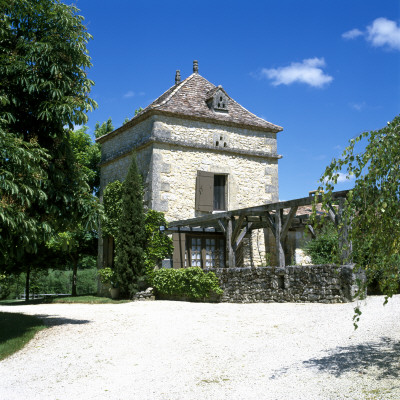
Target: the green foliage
pixel 373 205
pixel 22 177
pixel 87 157
pixel 103 129
pixel 192 282
pixel 324 249
pixel 52 281
pixel 131 236
pixel 107 276
pixel 16 330
pixel 43 90
pixel 158 245
pixel 112 203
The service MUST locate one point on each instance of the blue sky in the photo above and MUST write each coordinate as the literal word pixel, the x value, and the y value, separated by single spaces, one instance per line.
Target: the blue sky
pixel 323 70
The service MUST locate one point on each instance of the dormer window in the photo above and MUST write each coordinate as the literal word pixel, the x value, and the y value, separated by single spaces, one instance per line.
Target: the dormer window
pixel 218 100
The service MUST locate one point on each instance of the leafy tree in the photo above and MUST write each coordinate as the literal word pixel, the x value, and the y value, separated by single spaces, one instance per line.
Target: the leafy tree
pixel 103 129
pixel 44 90
pixel 112 203
pixel 324 249
pixel 373 205
pixel 75 244
pixel 158 245
pixel 131 237
pixel 87 156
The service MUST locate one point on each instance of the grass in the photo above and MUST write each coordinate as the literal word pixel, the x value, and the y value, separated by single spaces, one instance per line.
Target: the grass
pixel 64 299
pixel 16 330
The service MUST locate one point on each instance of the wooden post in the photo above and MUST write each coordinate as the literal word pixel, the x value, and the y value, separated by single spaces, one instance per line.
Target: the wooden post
pixel 280 255
pixel 344 244
pixel 230 252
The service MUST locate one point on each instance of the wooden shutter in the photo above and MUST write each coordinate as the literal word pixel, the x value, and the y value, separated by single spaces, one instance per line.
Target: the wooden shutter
pixel 178 257
pixel 205 191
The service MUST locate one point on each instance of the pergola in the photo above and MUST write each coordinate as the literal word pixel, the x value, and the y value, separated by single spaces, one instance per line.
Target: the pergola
pixel 236 224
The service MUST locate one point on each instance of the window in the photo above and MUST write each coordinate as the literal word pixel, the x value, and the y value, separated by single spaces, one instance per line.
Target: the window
pixel 211 191
pixel 201 250
pixel 219 192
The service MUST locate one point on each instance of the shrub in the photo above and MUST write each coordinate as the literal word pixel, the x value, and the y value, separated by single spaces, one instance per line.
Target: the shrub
pixel 324 249
pixel 192 282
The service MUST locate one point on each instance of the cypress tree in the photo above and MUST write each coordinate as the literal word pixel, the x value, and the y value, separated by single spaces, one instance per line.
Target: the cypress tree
pixel 129 263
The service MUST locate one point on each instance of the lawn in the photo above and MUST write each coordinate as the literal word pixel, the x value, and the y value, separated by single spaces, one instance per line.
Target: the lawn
pixel 88 299
pixel 16 330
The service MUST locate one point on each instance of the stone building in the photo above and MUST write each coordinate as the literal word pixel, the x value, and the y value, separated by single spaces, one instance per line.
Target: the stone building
pixel 199 152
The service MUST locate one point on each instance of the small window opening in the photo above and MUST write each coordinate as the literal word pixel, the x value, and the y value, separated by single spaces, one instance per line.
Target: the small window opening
pixel 224 144
pixel 219 192
pixel 217 143
pixel 220 99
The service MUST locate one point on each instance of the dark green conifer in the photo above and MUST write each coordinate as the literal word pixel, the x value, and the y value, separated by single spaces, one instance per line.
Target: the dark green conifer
pixel 129 263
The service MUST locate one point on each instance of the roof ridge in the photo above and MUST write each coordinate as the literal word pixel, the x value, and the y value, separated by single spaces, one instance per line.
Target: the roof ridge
pixel 179 86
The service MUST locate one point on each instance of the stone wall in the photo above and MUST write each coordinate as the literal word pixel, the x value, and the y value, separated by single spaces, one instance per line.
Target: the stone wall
pixel 300 284
pixel 171 150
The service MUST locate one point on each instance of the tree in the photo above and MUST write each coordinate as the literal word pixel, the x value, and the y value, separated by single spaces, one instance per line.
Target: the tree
pixel 87 157
pixel 131 237
pixel 44 90
pixel 75 244
pixel 158 245
pixel 103 129
pixel 373 205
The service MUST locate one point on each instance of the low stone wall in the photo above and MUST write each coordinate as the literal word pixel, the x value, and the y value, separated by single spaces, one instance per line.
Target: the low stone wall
pixel 311 283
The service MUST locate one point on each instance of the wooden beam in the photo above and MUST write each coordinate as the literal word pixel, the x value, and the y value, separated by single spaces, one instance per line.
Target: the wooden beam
pixel 242 234
pixel 253 211
pixel 231 261
pixel 278 229
pixel 270 223
pixel 288 222
pixel 333 215
pixel 222 225
pixel 238 227
pixel 344 243
pixel 311 229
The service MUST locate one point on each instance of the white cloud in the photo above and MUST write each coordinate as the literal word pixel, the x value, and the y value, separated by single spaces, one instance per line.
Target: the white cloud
pixel 129 94
pixel 341 178
pixel 382 32
pixel 358 106
pixel 352 34
pixel 309 71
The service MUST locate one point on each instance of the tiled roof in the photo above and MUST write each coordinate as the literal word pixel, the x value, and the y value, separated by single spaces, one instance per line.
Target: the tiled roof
pixel 189 99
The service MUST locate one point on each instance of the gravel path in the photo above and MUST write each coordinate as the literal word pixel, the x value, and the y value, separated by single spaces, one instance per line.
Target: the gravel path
pixel 168 350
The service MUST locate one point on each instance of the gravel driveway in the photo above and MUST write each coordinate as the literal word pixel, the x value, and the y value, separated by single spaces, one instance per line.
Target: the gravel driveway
pixel 174 350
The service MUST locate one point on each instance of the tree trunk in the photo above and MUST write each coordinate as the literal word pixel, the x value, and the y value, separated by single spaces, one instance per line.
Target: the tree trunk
pixel 74 276
pixel 28 275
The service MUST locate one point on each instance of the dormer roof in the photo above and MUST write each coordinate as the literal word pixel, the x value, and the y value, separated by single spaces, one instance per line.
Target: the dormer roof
pixel 191 99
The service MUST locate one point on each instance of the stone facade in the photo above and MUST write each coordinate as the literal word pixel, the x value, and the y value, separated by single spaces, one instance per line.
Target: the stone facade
pixel 314 283
pixel 187 130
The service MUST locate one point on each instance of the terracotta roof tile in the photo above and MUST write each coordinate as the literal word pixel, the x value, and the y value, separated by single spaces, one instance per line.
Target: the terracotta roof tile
pixel 189 99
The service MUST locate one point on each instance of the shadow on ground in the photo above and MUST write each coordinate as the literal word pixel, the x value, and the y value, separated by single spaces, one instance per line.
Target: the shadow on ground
pixel 51 320
pixel 383 355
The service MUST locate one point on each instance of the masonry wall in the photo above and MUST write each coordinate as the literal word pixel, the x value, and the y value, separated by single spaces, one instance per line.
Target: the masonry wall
pixel 171 150
pixel 313 283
